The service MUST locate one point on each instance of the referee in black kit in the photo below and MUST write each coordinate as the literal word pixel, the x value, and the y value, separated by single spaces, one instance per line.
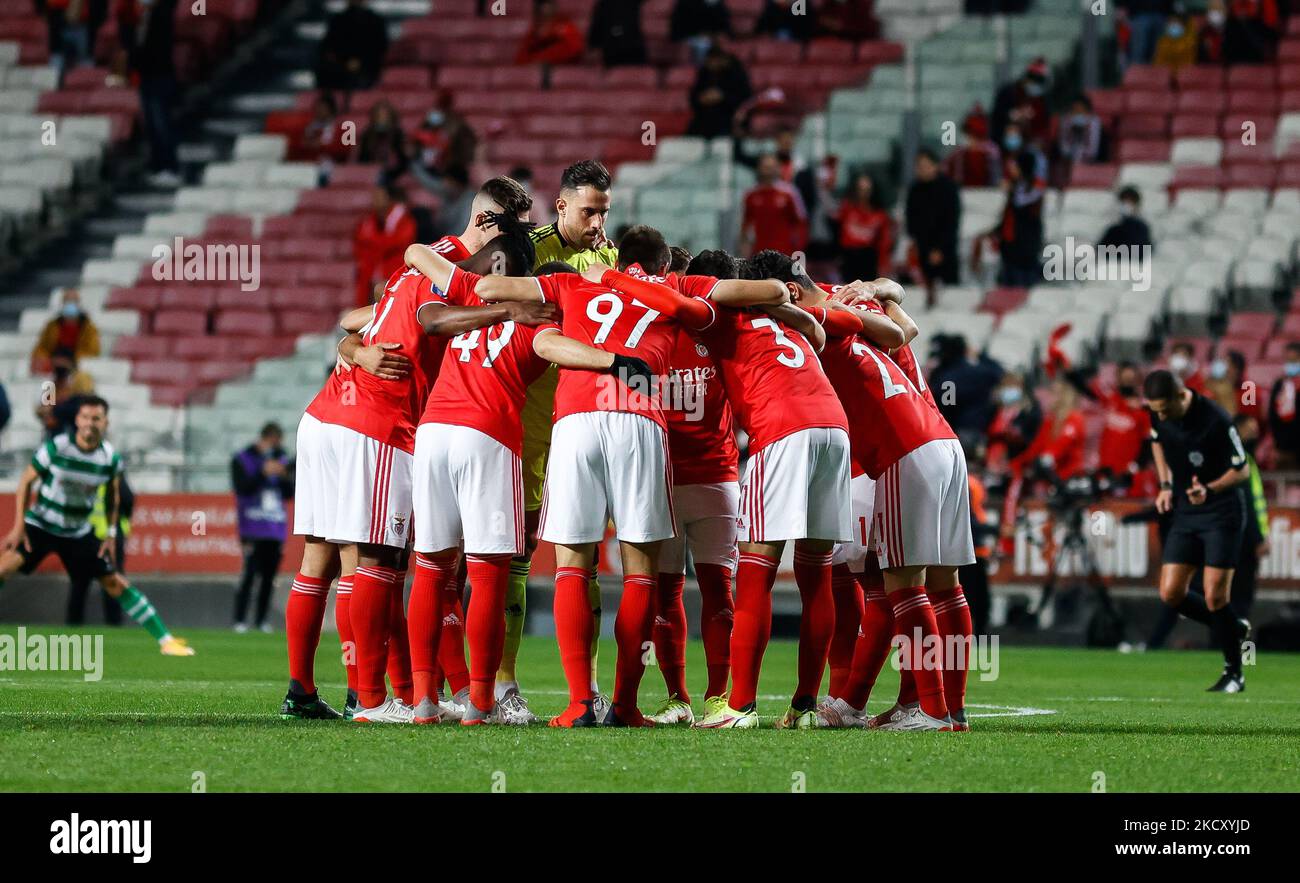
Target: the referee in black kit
pixel 1202 465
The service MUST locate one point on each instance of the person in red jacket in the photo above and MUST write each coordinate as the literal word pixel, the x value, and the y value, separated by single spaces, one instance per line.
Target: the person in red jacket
pixel 1127 422
pixel 380 241
pixel 774 214
pixel 552 39
pixel 866 232
pixel 1060 440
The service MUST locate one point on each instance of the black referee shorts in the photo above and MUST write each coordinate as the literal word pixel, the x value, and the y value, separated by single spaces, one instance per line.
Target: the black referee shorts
pixel 1204 542
pixel 80 555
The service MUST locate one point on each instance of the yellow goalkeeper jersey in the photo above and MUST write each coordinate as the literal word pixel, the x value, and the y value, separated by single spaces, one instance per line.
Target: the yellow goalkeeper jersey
pixel 539 406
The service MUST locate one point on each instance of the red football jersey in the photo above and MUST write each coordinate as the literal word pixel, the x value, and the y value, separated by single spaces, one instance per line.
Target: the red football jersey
pixel 771 375
pixel 617 323
pixel 485 373
pixel 386 410
pixel 903 356
pixel 451 248
pixel 891 418
pixel 701 434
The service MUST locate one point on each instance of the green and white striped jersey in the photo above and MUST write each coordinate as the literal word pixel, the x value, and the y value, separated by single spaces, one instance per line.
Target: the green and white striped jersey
pixel 70 481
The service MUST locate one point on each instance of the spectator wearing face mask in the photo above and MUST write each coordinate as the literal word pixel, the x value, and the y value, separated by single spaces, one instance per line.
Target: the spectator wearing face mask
pixel 1130 230
pixel 443 141
pixel 1177 46
pixel 1020 234
pixel 1014 144
pixel 383 143
pixel 1146 19
pixel 1023 102
pixel 1229 387
pixel 1182 362
pixel 978 162
pixel 1126 422
pixel 1283 421
pixel 1015 423
pixel 71 330
pixel 1078 136
pixel 1210 33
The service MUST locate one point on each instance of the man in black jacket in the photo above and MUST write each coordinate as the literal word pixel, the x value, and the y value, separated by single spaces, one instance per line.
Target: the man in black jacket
pixel 352 53
pixel 616 31
pixel 933 220
pixel 149 46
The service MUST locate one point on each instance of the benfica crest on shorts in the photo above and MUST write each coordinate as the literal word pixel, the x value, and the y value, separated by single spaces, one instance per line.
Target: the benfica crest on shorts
pixel 399 524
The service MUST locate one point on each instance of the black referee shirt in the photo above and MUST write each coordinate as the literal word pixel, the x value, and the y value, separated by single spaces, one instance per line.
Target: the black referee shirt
pixel 1203 443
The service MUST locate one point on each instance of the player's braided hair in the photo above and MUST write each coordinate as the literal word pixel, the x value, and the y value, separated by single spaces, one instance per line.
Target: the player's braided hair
pixel 514 241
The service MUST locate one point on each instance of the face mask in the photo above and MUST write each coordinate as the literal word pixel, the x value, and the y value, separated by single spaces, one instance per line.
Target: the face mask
pixel 1293 369
pixel 1033 89
pixel 1216 17
pixel 1012 142
pixel 1218 369
pixel 1174 31
pixel 1127 210
pixel 1011 395
pixel 435 118
pixel 1179 363
pixel 1128 391
pixel 70 311
pixel 1079 119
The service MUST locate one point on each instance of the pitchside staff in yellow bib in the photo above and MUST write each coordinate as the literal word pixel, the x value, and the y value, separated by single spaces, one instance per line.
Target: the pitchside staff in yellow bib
pixel 577 238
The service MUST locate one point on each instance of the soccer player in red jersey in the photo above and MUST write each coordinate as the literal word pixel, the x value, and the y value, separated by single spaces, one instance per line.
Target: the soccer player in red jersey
pixel 355 448
pixel 468 475
pixel 609 458
pixel 706 491
pixel 796 485
pixel 921 530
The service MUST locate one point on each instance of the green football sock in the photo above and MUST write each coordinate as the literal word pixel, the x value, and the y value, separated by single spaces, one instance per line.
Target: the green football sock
pixel 516 610
pixel 137 607
pixel 593 596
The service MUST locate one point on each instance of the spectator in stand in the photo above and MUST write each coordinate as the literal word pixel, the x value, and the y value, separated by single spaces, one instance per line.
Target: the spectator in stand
pixel 523 175
pixel 1229 387
pixel 380 241
pixel 352 52
pixel 1177 46
pixel 321 140
pixel 933 218
pixel 444 140
pixel 699 23
pixel 963 385
pixel 615 30
pixel 72 26
pixel 553 37
pixel 1210 33
pixel 457 202
pixel 1078 135
pixel 721 87
pixel 1146 19
pixel 60 398
pixel 70 330
pixel 1130 231
pixel 1022 101
pixel 149 36
pixel 787 20
pixel 852 20
pixel 1126 422
pixel 866 237
pixel 774 214
pixel 1059 444
pixel 1014 143
pixel 1020 235
pixel 262 477
pixel 1015 422
pixel 1252 31
pixel 1182 362
pixel 383 143
pixel 1283 419
pixel 978 162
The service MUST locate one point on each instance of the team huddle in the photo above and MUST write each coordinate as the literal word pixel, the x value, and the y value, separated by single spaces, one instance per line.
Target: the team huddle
pixel 517 383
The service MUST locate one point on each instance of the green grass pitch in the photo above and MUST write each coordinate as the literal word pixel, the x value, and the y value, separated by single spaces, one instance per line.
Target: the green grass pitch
pixel 1143 721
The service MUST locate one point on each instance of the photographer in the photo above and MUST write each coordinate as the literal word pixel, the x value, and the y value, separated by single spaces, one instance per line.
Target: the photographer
pixel 1193 437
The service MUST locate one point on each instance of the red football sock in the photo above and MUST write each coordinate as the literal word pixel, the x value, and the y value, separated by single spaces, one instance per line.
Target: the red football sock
pixel 399 645
pixel 574 627
pixel 812 573
pixel 716 615
pixel 343 622
pixel 872 648
pixel 303 617
pixel 451 647
pixel 371 601
pixel 753 625
pixel 952 614
pixel 424 621
pixel 632 629
pixel 670 633
pixel 915 628
pixel 849 607
pixel 486 625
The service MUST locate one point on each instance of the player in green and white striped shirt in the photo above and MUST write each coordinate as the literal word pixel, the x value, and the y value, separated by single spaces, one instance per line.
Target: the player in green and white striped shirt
pixel 56 496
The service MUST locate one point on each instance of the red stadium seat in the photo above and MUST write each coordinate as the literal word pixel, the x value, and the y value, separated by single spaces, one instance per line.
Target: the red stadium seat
pixel 220 372
pixel 135 298
pixel 1148 102
pixel 1154 150
pixel 185 297
pixel 180 322
pixel 245 323
pixel 1147 76
pixel 202 347
pixel 880 52
pixel 1250 347
pixel 1235 125
pixel 630 78
pixel 1108 102
pixel 1288 75
pixel 1251 101
pixel 1197 177
pixel 131 346
pixel 225 227
pixel 1259 77
pixel 1098 177
pixel 829 50
pixel 1275 350
pixel 1202 101
pixel 1257 325
pixel 771 51
pixel 1194 125
pixel 1004 300
pixel 1200 76
pixel 1144 125
pixel 405 78
pixel 1251 176
pixel 304 322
